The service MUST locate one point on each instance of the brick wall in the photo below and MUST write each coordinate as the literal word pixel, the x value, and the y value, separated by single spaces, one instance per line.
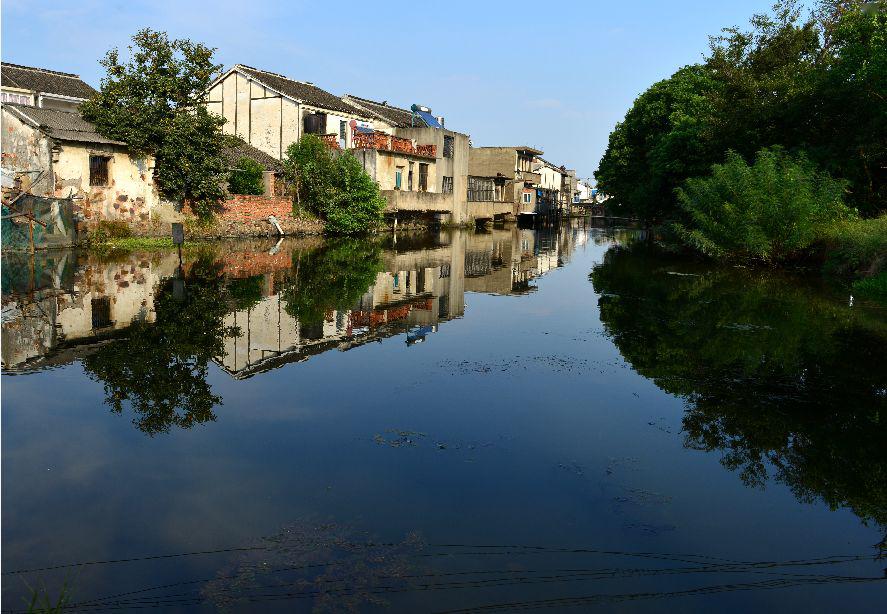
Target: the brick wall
pixel 244 208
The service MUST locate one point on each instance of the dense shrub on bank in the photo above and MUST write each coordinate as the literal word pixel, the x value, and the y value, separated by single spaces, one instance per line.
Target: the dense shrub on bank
pixel 856 247
pixel 357 205
pixel 874 288
pixel 336 188
pixel 767 211
pixel 247 178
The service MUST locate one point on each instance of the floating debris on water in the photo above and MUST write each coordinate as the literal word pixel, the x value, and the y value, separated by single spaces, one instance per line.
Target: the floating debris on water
pixel 400 438
pixel 648 528
pixel 519 364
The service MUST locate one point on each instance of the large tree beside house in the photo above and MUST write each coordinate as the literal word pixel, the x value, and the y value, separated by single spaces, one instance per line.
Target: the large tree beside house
pixel 153 100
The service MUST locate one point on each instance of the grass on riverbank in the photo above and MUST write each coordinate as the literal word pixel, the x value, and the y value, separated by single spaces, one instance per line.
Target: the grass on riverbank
pixel 115 237
pixel 855 248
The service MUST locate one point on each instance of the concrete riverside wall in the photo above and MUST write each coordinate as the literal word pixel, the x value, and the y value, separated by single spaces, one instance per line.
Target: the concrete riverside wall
pixel 404 200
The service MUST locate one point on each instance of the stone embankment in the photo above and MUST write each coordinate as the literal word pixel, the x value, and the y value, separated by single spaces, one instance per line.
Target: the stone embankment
pixel 241 216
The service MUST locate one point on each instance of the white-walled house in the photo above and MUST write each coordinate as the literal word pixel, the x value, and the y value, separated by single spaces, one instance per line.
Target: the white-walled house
pixel 58 154
pixel 42 88
pixel 270 111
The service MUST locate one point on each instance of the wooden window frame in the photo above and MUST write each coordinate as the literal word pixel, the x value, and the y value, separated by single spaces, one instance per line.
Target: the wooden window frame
pixel 423 177
pixel 99 177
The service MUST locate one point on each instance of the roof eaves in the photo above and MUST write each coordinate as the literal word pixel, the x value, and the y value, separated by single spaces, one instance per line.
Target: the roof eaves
pixel 16 110
pixel 240 68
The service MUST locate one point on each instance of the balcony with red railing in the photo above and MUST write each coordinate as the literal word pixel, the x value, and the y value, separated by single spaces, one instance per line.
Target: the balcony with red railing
pixel 385 142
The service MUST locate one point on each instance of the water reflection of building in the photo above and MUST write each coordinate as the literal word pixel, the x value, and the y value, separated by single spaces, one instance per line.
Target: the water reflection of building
pixel 416 291
pixel 57 306
pixel 62 306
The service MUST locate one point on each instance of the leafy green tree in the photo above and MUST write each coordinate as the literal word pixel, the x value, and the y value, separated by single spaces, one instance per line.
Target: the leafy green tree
pixel 765 76
pixel 811 82
pixel 247 178
pixel 666 137
pixel 334 187
pixel 776 376
pixel 154 101
pixel 767 211
pixel 848 108
pixel 310 167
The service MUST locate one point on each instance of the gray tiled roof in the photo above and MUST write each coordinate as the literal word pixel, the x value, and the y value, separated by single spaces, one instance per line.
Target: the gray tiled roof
pixel 238 148
pixel 62 125
pixel 300 90
pixel 400 118
pixel 44 80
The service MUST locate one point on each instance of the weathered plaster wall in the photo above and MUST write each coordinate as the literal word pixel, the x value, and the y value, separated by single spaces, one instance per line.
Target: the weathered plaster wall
pixel 382 167
pixel 56 103
pixel 402 200
pixel 519 205
pixel 550 178
pixel 267 120
pixel 489 211
pixel 491 161
pixel 130 194
pixel 26 149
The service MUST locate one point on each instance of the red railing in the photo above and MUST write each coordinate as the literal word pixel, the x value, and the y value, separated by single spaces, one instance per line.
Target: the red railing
pixel 332 140
pixel 386 142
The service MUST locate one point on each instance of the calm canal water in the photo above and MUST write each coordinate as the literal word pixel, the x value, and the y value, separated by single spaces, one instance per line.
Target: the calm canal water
pixel 460 421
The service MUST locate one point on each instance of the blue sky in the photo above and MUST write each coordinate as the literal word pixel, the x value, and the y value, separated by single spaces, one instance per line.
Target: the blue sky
pixel 556 76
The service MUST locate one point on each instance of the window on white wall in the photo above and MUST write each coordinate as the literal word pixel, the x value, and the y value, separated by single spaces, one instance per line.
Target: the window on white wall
pixel 15 98
pixel 98 170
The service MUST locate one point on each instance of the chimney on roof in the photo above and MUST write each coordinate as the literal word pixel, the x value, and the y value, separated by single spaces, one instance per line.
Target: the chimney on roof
pixel 440 120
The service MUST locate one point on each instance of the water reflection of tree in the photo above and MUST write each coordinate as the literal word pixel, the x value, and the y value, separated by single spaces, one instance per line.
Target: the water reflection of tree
pixel 160 368
pixel 784 382
pixel 333 277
